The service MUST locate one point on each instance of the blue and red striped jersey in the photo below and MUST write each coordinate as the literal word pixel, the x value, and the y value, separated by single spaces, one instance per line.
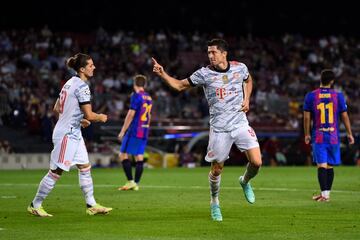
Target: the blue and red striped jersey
pixel 141 102
pixel 325 106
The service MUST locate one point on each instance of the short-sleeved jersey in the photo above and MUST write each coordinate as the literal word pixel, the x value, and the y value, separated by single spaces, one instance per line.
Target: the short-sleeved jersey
pixel 141 103
pixel 224 93
pixel 325 106
pixel 74 93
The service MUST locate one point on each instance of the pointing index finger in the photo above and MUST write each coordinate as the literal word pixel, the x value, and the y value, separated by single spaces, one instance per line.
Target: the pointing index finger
pixel 154 60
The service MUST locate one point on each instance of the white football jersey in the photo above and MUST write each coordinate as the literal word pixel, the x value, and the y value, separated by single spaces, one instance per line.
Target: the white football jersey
pixel 74 93
pixel 224 93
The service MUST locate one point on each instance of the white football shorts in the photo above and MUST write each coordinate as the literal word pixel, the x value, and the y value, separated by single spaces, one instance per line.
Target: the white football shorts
pixel 68 152
pixel 220 143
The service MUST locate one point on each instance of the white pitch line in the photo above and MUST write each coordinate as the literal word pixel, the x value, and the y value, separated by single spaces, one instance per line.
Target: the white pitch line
pixel 184 187
pixel 7 197
pixel 258 189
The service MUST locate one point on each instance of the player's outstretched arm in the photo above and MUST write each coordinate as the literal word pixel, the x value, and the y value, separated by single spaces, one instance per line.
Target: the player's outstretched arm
pixel 91 116
pixel 346 121
pixel 176 84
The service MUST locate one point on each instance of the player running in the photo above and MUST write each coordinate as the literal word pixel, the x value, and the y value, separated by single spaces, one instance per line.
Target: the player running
pixel 227 87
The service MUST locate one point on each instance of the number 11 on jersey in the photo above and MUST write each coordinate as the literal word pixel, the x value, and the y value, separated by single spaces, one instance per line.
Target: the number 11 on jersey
pixel 330 109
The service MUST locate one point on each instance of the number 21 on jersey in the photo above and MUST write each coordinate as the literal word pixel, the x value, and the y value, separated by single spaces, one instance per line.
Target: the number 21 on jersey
pixel 323 108
pixel 145 117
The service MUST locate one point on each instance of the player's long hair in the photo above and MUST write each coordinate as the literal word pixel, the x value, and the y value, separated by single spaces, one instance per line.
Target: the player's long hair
pixel 78 61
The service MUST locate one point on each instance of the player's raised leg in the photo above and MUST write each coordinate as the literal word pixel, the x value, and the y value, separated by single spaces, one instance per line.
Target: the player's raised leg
pixel 252 168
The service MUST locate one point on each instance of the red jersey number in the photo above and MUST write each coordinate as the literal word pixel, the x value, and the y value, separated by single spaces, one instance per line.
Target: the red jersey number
pixel 63 95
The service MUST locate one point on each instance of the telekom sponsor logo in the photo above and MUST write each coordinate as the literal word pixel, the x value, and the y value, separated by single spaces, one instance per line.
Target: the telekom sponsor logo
pixel 221 93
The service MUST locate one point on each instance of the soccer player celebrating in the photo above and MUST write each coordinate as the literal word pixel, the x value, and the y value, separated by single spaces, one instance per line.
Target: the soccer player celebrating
pixel 69 148
pixel 324 106
pixel 227 87
pixel 134 133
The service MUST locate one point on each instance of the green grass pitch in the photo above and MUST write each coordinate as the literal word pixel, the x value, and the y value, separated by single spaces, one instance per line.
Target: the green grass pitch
pixel 174 204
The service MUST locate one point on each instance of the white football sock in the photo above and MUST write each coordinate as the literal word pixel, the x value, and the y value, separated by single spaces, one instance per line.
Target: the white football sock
pixel 86 185
pixel 214 182
pixel 46 185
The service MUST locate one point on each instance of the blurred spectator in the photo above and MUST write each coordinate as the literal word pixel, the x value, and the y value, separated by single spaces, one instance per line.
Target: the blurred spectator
pixel 357 157
pixel 271 152
pixel 114 161
pixel 97 163
pixel 288 65
pixel 4 107
pixel 306 152
pixel 5 147
pixel 186 158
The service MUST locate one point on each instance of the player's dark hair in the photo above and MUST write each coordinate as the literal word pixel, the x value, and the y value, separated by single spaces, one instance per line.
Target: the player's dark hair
pixel 327 75
pixel 221 44
pixel 78 61
pixel 140 80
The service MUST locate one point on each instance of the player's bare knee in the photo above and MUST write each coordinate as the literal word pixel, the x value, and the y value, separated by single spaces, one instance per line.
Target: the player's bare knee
pixel 216 170
pixel 123 156
pixel 257 164
pixel 139 158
